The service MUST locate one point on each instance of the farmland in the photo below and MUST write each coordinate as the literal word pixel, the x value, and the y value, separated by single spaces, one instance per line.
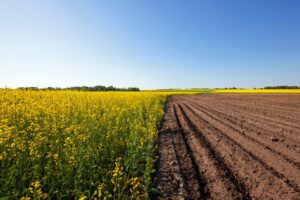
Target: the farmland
pixel 230 147
pixel 102 145
pixel 68 144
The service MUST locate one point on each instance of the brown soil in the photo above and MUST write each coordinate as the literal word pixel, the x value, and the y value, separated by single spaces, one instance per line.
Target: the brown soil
pixel 230 147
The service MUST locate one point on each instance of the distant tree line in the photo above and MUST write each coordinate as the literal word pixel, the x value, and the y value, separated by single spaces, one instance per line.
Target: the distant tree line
pixel 84 88
pixel 282 87
pixel 230 88
pixel 268 87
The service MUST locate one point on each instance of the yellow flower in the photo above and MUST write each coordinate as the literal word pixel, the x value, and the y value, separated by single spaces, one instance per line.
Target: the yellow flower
pixel 25 198
pixel 56 133
pixel 82 197
pixel 134 182
pixel 36 184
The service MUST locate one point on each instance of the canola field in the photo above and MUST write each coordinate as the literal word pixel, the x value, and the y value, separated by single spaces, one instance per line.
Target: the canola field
pixel 78 145
pixel 256 91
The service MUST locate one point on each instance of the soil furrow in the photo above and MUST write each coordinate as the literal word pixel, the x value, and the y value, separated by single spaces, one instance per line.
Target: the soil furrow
pixel 271 159
pixel 220 178
pixel 248 162
pixel 170 182
pixel 194 184
pixel 246 122
pixel 249 108
pixel 266 107
pixel 230 147
pixel 285 121
pixel 272 128
pixel 248 133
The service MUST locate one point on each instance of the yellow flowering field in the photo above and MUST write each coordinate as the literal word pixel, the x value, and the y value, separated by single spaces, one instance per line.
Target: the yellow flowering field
pixel 259 91
pixel 78 145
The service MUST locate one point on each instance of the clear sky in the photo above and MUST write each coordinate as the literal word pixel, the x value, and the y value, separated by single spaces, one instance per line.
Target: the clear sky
pixel 150 43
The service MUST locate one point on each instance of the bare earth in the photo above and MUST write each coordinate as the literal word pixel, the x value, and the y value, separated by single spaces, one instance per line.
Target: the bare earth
pixel 230 147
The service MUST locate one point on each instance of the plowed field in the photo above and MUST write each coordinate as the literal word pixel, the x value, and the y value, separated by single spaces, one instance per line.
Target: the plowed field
pixel 230 147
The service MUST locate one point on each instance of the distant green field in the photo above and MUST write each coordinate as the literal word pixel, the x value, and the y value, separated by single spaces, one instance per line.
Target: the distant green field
pixel 187 90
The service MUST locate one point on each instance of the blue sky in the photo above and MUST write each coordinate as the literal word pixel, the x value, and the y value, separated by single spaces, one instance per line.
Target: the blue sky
pixel 150 43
